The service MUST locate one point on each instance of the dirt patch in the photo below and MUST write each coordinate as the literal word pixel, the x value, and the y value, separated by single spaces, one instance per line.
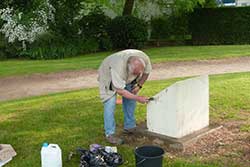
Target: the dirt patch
pixel 226 146
pixel 200 67
pixel 40 84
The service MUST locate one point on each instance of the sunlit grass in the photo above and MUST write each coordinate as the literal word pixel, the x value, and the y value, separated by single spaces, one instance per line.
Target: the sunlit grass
pixel 92 61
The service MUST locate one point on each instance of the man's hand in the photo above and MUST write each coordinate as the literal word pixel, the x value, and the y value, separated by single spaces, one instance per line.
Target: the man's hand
pixel 135 90
pixel 142 99
pixel 129 95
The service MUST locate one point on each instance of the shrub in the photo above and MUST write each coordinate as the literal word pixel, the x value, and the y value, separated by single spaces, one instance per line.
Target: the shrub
pixel 173 29
pixel 2 47
pixel 9 50
pixel 160 28
pixel 105 43
pixel 65 22
pixel 221 26
pixel 127 32
pixel 94 26
pixel 179 26
pixel 53 46
pixel 2 51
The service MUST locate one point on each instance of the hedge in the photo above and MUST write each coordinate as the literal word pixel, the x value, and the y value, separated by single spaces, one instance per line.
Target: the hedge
pixel 127 32
pixel 220 26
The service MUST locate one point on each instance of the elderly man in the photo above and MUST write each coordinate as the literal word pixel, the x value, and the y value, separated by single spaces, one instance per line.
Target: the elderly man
pixel 122 73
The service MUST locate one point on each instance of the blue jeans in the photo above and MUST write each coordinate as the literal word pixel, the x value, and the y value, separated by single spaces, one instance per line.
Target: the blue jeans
pixel 128 107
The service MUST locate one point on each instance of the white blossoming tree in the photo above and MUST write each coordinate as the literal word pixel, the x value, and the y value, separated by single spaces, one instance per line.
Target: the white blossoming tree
pixel 25 30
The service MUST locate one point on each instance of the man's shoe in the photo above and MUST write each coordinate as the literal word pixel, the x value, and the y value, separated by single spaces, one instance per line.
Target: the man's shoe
pixel 130 131
pixel 114 140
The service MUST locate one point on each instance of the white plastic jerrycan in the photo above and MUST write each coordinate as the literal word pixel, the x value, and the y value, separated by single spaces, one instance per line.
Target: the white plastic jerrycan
pixel 51 155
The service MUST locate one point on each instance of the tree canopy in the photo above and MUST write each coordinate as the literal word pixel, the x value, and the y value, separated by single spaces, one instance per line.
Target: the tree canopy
pixel 176 5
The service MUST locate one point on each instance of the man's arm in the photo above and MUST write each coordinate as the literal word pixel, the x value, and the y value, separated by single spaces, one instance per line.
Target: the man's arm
pixel 128 95
pixel 140 83
pixel 143 79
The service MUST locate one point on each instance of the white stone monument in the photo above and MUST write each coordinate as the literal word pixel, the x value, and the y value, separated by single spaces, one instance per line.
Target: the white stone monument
pixel 180 109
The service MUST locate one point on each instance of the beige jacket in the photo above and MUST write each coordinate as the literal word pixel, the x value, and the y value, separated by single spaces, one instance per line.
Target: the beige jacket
pixel 113 72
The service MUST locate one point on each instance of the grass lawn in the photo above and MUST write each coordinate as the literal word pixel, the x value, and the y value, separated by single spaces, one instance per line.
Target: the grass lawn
pixel 92 61
pixel 74 119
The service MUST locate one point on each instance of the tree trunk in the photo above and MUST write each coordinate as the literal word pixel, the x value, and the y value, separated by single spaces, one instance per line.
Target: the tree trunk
pixel 128 7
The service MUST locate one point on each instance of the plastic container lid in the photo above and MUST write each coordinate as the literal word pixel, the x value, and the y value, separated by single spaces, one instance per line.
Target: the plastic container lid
pixel 45 144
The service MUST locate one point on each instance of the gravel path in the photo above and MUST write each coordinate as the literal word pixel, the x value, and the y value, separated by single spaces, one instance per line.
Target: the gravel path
pixel 40 84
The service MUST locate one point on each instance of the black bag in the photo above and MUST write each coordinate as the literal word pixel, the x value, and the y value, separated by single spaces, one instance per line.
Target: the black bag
pixel 99 158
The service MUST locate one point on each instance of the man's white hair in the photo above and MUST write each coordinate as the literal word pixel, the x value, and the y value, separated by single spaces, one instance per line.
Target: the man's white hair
pixel 132 63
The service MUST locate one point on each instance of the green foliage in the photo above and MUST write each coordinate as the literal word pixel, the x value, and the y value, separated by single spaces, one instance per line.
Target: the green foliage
pixel 179 25
pixel 105 43
pixel 21 5
pixel 180 6
pixel 61 51
pixel 74 26
pixel 94 25
pixel 177 6
pixel 9 50
pixel 127 32
pixel 72 32
pixel 221 26
pixel 3 54
pixel 173 27
pixel 161 28
pixel 53 46
pixel 210 4
pixel 66 23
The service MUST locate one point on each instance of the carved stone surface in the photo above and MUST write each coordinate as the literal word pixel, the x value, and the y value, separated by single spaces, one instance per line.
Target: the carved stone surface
pixel 180 109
